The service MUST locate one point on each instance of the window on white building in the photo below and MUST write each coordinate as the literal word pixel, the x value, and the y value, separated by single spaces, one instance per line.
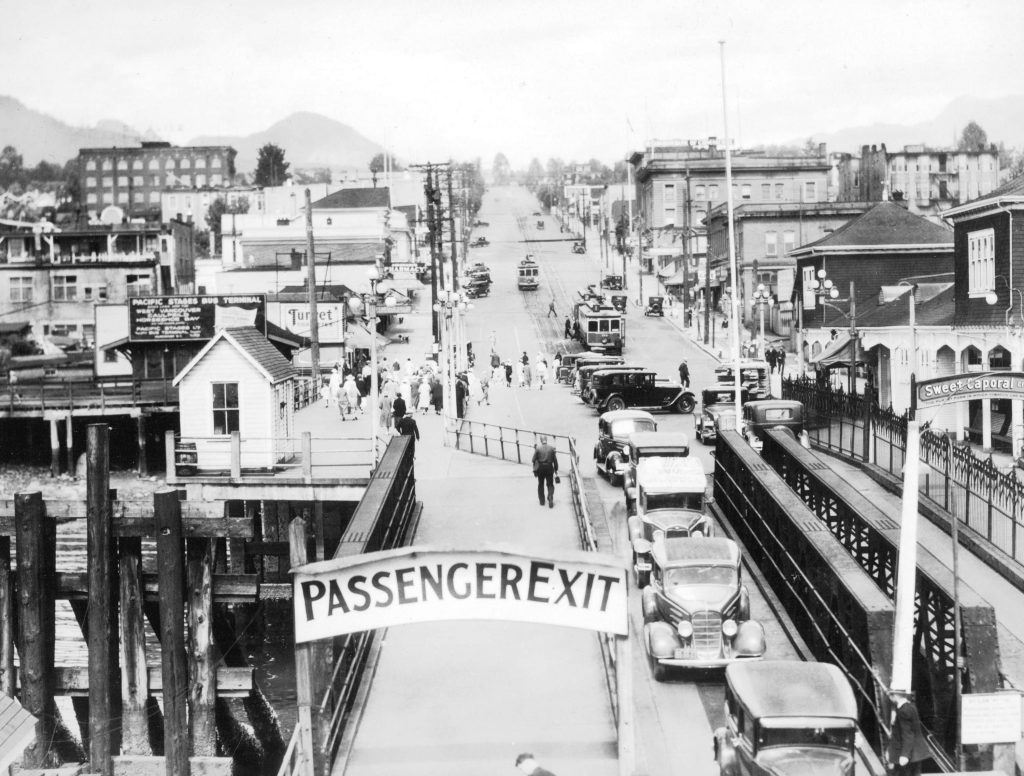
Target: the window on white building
pixel 215 163
pixel 186 164
pixel 810 191
pixel 154 164
pixel 771 244
pixel 122 164
pixel 169 164
pixel 766 191
pixel 669 194
pixel 138 285
pixel 225 408
pixel 90 182
pixel 186 180
pixel 137 164
pixel 788 240
pixel 745 191
pixel 201 163
pixel 712 193
pixel 200 180
pixel 780 190
pixel 21 289
pixel 699 192
pixel 981 262
pixel 65 288
pixel 107 165
pixel 91 164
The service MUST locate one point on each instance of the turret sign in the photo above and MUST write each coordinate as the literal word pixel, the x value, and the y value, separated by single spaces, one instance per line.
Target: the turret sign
pixel 407 585
pixel 969 386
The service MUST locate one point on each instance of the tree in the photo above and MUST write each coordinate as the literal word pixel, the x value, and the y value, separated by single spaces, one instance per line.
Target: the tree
pixel 11 166
pixel 271 168
pixel 534 174
pixel 973 138
pixel 218 208
pixel 377 163
pixel 500 170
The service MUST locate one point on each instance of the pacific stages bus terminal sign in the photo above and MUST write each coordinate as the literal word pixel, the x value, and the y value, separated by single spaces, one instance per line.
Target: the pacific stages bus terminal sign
pixel 190 316
pixel 969 386
pixel 408 585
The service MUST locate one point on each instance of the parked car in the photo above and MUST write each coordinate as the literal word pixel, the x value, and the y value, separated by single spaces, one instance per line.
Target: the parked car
pixel 604 374
pixel 612 282
pixel 644 446
pixel 568 366
pixel 588 359
pixel 480 242
pixel 809 729
pixel 761 415
pixel 540 224
pixel 641 390
pixel 717 410
pixel 613 432
pixel 696 610
pixel 478 222
pixel 474 289
pixel 670 500
pixel 655 306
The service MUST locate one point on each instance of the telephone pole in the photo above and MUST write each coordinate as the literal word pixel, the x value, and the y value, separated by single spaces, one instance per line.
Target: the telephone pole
pixel 451 231
pixel 314 333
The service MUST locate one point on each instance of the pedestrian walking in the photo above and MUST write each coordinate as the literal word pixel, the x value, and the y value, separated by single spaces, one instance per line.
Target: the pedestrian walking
pixel 551 308
pixel 545 467
pixel 424 400
pixel 508 374
pixel 568 328
pixel 520 374
pixel 542 373
pixel 344 408
pixel 405 391
pixel 410 369
pixel 684 374
pixel 495 360
pixel 384 411
pixel 398 408
pixel 529 765
pixel 781 360
pixel 907 745
pixel 460 396
pixel 473 386
pixel 527 375
pixel 437 395
pixel 406 426
pixel 351 393
pixel 333 388
pixel 485 388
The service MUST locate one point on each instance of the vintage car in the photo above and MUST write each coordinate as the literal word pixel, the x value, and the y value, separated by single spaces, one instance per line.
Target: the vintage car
pixel 480 242
pixel 670 499
pixel 478 222
pixel 644 446
pixel 613 430
pixel 718 410
pixel 655 306
pixel 763 414
pixel 641 390
pixel 809 729
pixel 604 374
pixel 754 376
pixel 696 610
pixel 593 360
pixel 619 302
pixel 475 288
pixel 568 365
pixel 612 282
pixel 540 224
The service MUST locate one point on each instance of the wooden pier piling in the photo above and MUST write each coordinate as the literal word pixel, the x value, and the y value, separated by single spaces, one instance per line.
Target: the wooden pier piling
pixel 201 670
pixel 36 563
pixel 171 579
pixel 6 620
pixel 134 677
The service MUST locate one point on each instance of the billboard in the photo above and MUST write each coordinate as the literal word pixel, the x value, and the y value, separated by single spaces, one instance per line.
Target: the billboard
pixel 190 316
pixel 408 585
pixel 968 387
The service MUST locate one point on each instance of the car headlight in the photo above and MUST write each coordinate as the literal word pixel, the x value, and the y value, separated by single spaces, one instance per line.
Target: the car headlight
pixel 729 628
pixel 697 533
pixel 685 629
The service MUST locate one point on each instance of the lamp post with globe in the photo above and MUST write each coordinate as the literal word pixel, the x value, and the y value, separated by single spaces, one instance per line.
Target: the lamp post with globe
pixel 761 298
pixel 370 308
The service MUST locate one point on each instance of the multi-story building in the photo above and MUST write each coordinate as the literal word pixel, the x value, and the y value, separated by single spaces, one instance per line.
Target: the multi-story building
pixel 678 183
pixel 766 233
pixel 134 179
pixel 52 278
pixel 928 179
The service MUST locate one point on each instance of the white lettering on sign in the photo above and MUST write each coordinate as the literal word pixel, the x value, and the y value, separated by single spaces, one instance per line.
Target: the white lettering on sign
pixel 991 718
pixel 381 589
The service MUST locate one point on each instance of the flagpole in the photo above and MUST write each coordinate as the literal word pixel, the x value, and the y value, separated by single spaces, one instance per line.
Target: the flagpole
pixel 732 247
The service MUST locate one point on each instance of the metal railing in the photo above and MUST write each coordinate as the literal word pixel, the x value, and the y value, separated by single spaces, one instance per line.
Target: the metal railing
pixel 303 457
pixel 42 396
pixel 968 487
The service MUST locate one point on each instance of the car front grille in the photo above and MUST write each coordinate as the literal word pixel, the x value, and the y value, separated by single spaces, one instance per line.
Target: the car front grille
pixel 707 633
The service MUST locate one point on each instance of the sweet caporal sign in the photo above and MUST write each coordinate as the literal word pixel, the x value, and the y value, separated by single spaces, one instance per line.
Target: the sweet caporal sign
pixel 973 385
pixel 407 585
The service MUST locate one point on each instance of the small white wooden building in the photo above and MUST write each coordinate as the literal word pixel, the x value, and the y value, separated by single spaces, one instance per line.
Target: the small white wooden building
pixel 238 382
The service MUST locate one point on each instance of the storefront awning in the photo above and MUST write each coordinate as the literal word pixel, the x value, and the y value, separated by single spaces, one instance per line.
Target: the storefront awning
pixel 678 279
pixel 358 336
pixel 836 353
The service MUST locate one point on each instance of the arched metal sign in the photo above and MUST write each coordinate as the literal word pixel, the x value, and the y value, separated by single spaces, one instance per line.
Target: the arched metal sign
pixel 967 387
pixel 421 584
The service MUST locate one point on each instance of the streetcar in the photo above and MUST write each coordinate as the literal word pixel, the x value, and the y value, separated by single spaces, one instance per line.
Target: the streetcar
pixel 599 327
pixel 529 275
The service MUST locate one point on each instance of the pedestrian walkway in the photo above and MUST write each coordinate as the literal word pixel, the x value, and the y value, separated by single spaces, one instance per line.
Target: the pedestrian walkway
pixel 467 697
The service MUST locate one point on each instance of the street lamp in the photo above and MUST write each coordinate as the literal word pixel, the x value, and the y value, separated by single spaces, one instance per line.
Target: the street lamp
pixel 825 290
pixel 761 298
pixel 452 306
pixel 371 316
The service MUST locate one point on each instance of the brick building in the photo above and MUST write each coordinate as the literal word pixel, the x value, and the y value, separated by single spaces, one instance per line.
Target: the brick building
pixel 133 179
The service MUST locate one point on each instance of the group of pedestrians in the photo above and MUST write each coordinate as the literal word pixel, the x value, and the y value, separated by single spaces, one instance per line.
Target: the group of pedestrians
pixel 526 374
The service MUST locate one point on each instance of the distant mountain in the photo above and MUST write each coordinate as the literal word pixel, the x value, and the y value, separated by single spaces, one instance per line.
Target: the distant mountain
pixel 308 140
pixel 40 137
pixel 1002 118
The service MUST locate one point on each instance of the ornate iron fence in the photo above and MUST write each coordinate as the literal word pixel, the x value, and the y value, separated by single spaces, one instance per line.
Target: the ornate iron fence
pixel 967 486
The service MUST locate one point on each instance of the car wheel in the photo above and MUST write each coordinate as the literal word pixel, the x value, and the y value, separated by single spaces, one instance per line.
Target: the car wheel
pixel 643 578
pixel 630 507
pixel 616 403
pixel 685 404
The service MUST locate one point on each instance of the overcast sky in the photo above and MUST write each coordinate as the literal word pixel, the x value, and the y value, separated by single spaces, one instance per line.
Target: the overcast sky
pixel 466 78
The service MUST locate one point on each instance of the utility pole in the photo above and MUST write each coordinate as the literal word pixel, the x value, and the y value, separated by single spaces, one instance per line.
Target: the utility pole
pixel 686 248
pixel 314 331
pixel 707 284
pixel 853 342
pixel 451 232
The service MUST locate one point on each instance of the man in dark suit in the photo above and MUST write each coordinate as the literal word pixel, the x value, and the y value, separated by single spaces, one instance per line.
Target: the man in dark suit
pixel 907 747
pixel 545 466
